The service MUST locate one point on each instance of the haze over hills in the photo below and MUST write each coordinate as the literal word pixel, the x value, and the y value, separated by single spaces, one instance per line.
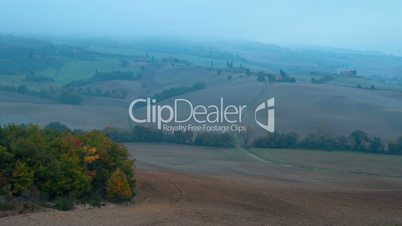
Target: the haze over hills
pixel 109 75
pixel 257 112
pixel 298 58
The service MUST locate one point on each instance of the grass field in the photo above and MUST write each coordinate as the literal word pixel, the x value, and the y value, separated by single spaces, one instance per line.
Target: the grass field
pixel 334 162
pixel 81 70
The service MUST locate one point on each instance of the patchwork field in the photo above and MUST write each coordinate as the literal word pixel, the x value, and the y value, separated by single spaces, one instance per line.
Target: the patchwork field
pixel 229 71
pixel 301 107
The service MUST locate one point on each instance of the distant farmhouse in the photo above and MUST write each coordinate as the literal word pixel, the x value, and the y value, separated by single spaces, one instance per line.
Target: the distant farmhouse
pixel 348 72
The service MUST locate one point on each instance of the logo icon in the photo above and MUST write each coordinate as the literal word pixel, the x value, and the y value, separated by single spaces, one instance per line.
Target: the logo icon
pixel 269 104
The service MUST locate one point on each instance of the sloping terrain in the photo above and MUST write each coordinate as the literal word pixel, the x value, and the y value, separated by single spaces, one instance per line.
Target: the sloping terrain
pixel 337 108
pixel 301 107
pixel 187 185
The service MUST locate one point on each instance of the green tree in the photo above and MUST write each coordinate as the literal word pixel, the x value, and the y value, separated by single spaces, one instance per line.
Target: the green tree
pixel 395 147
pixel 360 140
pixel 22 178
pixel 65 177
pixel 7 161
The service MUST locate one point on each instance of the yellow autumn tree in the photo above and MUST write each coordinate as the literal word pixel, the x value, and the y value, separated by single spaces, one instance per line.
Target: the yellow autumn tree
pixel 117 187
pixel 91 155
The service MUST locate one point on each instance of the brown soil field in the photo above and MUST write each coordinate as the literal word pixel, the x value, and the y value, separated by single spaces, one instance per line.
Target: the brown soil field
pixel 187 185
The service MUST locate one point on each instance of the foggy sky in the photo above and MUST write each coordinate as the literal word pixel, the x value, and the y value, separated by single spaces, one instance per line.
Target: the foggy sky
pixel 355 24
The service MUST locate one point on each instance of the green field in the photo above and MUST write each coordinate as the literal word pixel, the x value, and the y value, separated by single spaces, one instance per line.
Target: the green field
pixel 334 162
pixel 80 70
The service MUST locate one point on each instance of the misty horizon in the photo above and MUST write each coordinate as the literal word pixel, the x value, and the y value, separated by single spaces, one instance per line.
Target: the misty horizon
pixel 358 25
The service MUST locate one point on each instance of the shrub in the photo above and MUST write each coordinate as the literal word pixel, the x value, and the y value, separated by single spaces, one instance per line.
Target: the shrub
pixel 117 187
pixel 64 203
pixel 6 206
pixel 322 79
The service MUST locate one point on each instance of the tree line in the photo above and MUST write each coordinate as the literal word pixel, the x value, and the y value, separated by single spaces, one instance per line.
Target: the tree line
pixel 72 92
pixel 177 91
pixel 358 141
pixel 61 95
pixel 145 134
pixel 107 76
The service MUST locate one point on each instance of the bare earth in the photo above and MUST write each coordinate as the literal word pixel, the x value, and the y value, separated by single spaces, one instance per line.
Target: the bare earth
pixel 185 185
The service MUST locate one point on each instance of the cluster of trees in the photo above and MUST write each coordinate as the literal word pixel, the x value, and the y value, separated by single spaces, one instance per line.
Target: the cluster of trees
pixel 69 94
pixel 115 75
pixel 395 147
pixel 63 95
pixel 177 91
pixel 322 79
pixel 52 165
pixel 89 91
pixel 356 141
pixel 285 77
pixel 107 76
pixel 33 77
pixel 20 89
pixel 175 61
pixel 282 77
pixel 372 87
pixel 229 64
pixel 230 67
pixel 145 134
